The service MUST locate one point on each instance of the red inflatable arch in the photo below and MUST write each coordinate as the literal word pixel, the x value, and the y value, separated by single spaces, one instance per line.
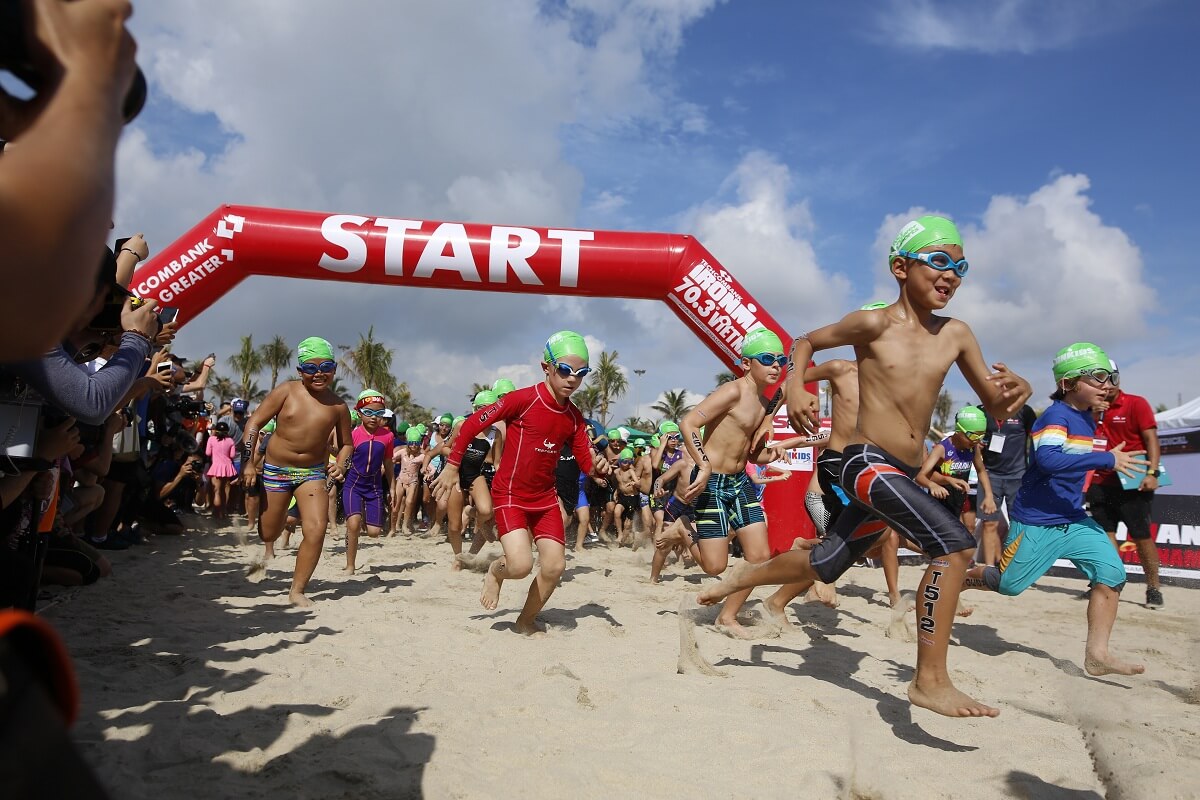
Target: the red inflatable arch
pixel 234 242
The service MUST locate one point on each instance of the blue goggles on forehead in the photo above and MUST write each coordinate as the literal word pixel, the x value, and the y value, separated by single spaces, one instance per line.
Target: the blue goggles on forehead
pixel 770 359
pixel 940 261
pixel 312 369
pixel 564 369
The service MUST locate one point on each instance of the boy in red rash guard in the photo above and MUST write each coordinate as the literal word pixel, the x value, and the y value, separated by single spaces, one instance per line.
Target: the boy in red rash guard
pixel 540 419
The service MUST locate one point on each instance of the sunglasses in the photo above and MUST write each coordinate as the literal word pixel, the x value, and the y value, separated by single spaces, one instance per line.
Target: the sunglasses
pixel 565 371
pixel 940 261
pixel 372 412
pixel 312 369
pixel 770 360
pixel 1102 376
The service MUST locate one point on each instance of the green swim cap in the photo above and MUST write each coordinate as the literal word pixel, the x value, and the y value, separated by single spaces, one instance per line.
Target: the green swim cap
pixel 1072 360
pixel 761 340
pixel 269 427
pixel 615 435
pixel 445 419
pixel 458 420
pixel 421 427
pixel 668 427
pixel 625 454
pixel 314 347
pixel 874 306
pixel 970 419
pixel 655 441
pixel 355 417
pixel 413 436
pixel 565 343
pixel 922 232
pixel 484 398
pixel 639 442
pixel 503 386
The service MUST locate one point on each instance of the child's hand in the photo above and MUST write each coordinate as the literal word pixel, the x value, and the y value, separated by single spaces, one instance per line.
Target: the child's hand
pixel 695 487
pixel 988 506
pixel 1014 390
pixel 938 492
pixel 1131 463
pixel 804 409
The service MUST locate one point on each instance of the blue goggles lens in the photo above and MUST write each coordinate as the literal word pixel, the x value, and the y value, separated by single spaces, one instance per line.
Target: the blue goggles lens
pixel 564 369
pixel 940 261
pixel 625 461
pixel 372 412
pixel 770 359
pixel 312 369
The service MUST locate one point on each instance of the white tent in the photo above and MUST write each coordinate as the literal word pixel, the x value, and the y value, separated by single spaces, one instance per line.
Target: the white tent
pixel 1185 416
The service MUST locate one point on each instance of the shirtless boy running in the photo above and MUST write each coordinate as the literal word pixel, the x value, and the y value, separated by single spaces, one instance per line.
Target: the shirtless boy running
pixel 724 497
pixel 904 352
pixel 297 455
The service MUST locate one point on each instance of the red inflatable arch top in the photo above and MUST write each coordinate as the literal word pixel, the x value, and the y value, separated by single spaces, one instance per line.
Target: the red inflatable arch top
pixel 234 242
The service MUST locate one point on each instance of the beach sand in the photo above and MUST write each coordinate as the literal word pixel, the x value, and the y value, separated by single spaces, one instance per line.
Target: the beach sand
pixel 198 683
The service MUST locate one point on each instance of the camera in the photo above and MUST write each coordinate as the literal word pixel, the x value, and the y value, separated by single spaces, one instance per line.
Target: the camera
pixel 14 57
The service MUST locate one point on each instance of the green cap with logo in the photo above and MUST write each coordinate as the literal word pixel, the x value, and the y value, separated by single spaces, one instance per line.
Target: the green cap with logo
pixel 923 232
pixel 1074 359
pixel 970 419
pixel 484 398
pixel 761 340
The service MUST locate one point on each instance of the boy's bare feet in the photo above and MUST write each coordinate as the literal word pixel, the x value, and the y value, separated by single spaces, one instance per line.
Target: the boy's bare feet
pixel 1106 665
pixel 946 700
pixel 491 588
pixel 529 627
pixel 963 610
pixel 823 593
pixel 775 616
pixel 256 571
pixel 348 571
pixel 734 630
pixel 724 587
pixel 299 600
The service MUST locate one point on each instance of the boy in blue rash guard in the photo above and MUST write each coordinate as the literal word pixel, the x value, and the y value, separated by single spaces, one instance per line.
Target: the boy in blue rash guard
pixel 1048 520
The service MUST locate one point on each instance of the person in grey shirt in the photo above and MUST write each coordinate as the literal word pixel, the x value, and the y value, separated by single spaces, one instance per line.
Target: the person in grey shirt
pixel 1005 455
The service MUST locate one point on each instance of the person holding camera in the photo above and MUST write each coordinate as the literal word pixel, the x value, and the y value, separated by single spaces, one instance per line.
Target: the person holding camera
pixel 57 184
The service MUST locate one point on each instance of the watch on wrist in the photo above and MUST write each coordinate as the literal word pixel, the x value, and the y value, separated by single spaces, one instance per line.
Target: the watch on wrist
pixel 1156 472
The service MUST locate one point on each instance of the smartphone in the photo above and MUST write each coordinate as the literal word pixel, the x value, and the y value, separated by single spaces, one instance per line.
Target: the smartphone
pixel 165 366
pixel 117 245
pixel 167 315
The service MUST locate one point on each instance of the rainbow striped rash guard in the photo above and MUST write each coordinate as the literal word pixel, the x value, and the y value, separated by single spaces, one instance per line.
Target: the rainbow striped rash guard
pixel 1052 490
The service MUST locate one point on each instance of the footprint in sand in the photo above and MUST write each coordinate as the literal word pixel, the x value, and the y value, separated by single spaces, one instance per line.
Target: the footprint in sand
pixel 690 661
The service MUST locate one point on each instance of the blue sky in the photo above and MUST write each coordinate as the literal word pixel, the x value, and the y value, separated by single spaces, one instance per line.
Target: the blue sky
pixel 792 138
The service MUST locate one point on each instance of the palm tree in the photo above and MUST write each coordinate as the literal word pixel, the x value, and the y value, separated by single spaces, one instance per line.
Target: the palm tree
pixel 587 400
pixel 476 388
pixel 276 355
pixel 401 402
pixel 724 377
pixel 637 423
pixel 246 363
pixel 610 381
pixel 371 362
pixel 673 405
pixel 339 388
pixel 222 387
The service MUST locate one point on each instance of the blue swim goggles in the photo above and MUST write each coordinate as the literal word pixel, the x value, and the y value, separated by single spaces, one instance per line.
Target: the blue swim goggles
pixel 940 261
pixel 372 412
pixel 312 369
pixel 564 369
pixel 770 360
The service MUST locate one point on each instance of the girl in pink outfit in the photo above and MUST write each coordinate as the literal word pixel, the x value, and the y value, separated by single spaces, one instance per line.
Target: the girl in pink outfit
pixel 408 457
pixel 221 450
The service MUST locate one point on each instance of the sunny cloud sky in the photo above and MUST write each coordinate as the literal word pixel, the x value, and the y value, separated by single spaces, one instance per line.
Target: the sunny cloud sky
pixel 792 140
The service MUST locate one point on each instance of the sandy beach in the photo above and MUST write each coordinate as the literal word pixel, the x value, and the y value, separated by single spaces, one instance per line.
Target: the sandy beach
pixel 199 683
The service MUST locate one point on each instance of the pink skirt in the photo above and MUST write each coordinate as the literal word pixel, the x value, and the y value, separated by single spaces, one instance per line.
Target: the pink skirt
pixel 221 471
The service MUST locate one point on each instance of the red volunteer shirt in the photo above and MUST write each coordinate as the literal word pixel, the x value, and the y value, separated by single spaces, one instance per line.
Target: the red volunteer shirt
pixel 1129 415
pixel 536 431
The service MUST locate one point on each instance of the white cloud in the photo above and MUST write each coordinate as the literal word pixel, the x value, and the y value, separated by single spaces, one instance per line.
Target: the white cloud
pixel 1006 26
pixel 452 110
pixel 764 238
